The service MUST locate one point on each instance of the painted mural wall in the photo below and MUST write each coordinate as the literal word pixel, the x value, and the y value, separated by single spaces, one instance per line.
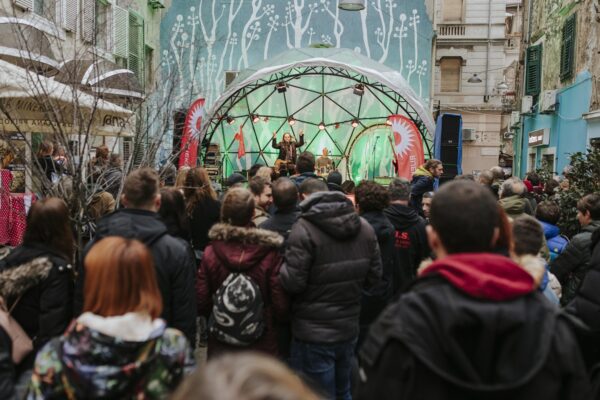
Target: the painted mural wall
pixel 202 39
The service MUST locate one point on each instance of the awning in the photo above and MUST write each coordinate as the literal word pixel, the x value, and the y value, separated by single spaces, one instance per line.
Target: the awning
pixel 103 77
pixel 34 103
pixel 23 44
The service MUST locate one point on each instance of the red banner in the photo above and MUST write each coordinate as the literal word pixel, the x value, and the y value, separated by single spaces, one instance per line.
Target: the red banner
pixel 408 146
pixel 191 135
pixel 241 146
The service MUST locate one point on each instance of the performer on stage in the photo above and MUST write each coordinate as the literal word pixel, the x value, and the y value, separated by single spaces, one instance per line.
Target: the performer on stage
pixel 287 149
pixel 324 163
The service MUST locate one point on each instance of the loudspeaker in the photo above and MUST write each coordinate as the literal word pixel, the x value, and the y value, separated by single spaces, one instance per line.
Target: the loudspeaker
pixel 178 124
pixel 450 150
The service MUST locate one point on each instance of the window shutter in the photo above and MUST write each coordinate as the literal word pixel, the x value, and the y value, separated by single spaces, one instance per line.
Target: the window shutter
pixel 24 4
pixel 89 21
pixel 534 70
pixel 120 23
pixel 450 74
pixel 136 46
pixel 567 51
pixel 452 10
pixel 69 14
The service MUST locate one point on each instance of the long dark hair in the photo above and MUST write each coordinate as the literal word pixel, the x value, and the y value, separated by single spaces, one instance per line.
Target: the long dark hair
pixel 48 223
pixel 198 188
pixel 172 212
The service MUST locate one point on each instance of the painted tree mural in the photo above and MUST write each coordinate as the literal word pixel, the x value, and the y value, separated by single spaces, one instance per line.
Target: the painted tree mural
pixel 204 39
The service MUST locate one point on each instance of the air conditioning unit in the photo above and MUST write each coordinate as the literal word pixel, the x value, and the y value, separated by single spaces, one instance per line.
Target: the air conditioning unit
pixel 548 101
pixel 515 118
pixel 156 4
pixel 468 134
pixel 526 104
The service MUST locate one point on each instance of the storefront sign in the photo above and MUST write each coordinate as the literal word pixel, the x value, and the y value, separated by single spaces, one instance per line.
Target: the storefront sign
pixel 540 137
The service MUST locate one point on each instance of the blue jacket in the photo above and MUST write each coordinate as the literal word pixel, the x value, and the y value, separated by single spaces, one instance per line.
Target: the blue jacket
pixel 556 242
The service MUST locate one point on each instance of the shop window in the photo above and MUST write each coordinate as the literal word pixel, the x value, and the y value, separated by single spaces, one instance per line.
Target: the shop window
pixel 548 162
pixel 567 51
pixel 531 165
pixel 450 68
pixel 452 10
pixel 533 70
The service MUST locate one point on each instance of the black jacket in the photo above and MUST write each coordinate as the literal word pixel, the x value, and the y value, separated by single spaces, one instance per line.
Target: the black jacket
pixel 45 306
pixel 205 215
pixel 410 244
pixel 281 222
pixel 7 369
pixel 283 149
pixel 437 342
pixel 112 180
pixel 572 265
pixel 586 306
pixel 420 185
pixel 175 268
pixel 375 300
pixel 332 255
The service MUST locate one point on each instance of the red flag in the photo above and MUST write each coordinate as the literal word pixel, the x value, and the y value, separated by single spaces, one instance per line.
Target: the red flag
pixel 408 146
pixel 191 135
pixel 241 146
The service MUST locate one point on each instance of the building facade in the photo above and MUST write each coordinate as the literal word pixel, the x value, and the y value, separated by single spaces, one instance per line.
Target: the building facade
pixel 107 49
pixel 476 62
pixel 559 100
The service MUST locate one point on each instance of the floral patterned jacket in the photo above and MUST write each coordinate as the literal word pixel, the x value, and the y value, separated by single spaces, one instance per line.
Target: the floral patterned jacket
pixel 84 363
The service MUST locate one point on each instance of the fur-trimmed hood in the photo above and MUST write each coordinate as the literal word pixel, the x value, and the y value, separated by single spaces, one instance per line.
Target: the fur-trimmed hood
pixel 226 232
pixel 241 248
pixel 17 280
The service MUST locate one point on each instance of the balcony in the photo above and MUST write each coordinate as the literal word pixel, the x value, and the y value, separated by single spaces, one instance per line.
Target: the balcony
pixel 451 31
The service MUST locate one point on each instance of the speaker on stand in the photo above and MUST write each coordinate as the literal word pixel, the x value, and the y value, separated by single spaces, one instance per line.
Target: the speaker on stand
pixel 448 145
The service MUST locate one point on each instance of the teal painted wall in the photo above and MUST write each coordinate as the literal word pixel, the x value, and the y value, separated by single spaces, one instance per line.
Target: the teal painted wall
pixel 568 130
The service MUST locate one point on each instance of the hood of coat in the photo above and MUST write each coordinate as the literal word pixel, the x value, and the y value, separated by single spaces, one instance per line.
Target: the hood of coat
pixel 550 231
pixel 380 223
pixel 421 171
pixel 513 205
pixel 333 213
pixel 401 216
pixel 14 281
pixel 241 248
pixel 98 365
pixel 131 223
pixel 483 275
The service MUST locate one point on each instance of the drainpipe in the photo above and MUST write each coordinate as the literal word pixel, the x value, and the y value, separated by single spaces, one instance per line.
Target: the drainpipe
pixel 486 96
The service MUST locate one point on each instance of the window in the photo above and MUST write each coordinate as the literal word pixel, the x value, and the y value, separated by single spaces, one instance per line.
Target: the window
pixel 452 10
pixel 548 162
pixel 532 161
pixel 136 46
pixel 45 8
pixel 450 74
pixel 567 51
pixel 533 70
pixel 149 64
pixel 102 25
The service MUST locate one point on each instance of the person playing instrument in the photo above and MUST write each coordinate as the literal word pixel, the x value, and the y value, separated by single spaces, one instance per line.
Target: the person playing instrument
pixel 287 148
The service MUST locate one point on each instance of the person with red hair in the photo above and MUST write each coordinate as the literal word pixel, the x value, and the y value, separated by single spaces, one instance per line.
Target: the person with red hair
pixel 118 348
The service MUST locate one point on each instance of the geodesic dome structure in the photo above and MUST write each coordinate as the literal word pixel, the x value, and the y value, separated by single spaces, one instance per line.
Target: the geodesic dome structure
pixel 340 99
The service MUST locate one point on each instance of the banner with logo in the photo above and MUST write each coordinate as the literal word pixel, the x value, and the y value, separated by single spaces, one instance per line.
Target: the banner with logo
pixel 191 134
pixel 407 144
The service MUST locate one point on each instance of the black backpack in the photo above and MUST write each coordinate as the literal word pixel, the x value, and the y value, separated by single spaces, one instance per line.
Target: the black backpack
pixel 237 317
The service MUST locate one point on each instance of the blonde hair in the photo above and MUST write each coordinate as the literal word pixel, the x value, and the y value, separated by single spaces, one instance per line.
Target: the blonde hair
pixel 265 173
pixel 244 376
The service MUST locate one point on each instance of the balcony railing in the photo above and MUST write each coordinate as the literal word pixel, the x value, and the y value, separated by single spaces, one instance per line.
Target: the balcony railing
pixel 452 30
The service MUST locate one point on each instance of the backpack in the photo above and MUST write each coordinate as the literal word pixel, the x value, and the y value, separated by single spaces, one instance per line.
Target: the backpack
pixel 237 317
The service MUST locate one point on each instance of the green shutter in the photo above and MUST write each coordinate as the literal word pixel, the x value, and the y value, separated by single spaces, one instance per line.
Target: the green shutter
pixel 534 70
pixel 136 46
pixel 567 51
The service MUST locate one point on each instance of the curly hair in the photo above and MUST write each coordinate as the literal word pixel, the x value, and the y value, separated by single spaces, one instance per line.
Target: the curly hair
pixel 371 196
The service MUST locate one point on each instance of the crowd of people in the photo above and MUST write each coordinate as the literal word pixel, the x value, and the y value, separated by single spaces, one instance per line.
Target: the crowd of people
pixel 305 288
